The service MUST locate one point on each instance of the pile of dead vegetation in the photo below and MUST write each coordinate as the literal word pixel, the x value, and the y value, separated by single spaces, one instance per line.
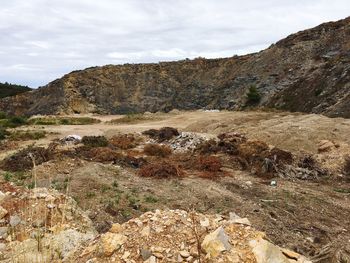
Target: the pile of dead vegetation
pixel 163 134
pixel 25 159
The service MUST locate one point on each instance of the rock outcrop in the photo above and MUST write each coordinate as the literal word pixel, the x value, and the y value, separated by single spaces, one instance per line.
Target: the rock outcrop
pixel 307 71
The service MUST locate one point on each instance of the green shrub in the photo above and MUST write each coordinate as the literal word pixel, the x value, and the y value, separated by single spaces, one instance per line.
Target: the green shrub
pixel 3 133
pixel 253 95
pixel 3 115
pixel 27 135
pixel 63 121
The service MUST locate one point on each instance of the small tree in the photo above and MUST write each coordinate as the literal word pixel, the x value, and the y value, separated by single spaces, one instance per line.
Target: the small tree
pixel 253 95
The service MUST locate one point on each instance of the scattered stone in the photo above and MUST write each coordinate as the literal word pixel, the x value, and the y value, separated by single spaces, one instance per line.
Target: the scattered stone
pixel 216 242
pixel 116 228
pixel 3 212
pixel 184 254
pixel 325 146
pixel 145 254
pixel 112 242
pixel 15 220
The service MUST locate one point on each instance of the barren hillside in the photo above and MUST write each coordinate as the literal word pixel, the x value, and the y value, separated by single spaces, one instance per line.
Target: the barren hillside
pixel 308 72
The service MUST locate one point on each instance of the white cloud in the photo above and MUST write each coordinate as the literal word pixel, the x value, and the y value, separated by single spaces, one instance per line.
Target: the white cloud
pixel 44 39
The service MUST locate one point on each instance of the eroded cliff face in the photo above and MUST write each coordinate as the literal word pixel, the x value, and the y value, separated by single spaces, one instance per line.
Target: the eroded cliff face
pixel 308 71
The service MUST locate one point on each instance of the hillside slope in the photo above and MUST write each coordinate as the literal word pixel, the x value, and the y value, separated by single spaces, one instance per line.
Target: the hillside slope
pixel 307 71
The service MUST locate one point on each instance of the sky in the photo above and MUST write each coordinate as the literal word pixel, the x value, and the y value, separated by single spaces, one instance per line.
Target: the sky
pixel 42 40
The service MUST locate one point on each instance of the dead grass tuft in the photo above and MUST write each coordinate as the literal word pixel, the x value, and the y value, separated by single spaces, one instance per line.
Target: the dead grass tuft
pixel 157 150
pixel 347 167
pixel 161 170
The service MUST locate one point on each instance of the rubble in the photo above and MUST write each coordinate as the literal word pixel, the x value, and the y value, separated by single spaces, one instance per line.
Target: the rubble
pixel 41 225
pixel 187 141
pixel 178 236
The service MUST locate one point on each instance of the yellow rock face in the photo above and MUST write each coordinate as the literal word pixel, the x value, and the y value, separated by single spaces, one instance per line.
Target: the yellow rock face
pixel 111 242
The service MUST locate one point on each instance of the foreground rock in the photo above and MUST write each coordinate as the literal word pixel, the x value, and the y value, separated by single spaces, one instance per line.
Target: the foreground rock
pixel 41 226
pixel 179 236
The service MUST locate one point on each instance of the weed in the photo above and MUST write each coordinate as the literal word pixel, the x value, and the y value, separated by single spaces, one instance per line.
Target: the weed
pixel 115 184
pixel 105 188
pixel 90 194
pixel 151 199
pixel 31 185
pixel 157 150
pixel 7 176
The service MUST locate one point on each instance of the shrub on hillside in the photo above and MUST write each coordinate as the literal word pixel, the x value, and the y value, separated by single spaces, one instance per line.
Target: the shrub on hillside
pixel 157 150
pixel 253 95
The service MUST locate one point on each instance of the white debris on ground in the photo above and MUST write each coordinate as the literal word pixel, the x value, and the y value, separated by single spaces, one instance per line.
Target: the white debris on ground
pixel 188 141
pixel 71 139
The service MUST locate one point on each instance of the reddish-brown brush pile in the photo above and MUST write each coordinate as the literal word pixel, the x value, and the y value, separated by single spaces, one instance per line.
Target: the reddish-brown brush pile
pixel 209 163
pixel 161 170
pixel 21 161
pixel 157 150
pixel 103 154
pixel 124 141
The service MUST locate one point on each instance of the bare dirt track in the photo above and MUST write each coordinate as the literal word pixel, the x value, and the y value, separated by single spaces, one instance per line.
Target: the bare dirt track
pixel 303 215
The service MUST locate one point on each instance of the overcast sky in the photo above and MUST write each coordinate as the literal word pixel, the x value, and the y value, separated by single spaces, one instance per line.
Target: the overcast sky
pixel 41 40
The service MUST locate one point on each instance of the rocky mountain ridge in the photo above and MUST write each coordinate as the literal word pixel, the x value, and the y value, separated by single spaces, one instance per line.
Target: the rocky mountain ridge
pixel 307 71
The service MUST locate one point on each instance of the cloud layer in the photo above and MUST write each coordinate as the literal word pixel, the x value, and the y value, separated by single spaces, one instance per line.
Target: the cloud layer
pixel 44 39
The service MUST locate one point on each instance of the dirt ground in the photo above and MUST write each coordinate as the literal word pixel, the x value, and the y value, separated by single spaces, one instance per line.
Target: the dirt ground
pixel 305 216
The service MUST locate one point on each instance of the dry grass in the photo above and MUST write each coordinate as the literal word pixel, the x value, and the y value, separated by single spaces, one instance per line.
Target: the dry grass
pixel 157 150
pixel 347 167
pixel 161 170
pixel 27 135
